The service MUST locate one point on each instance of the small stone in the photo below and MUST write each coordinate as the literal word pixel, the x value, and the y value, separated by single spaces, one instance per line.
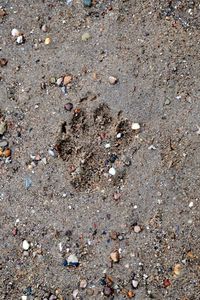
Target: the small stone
pixel 47 41
pixel 15 32
pixel 28 182
pixel 3 62
pixel 59 81
pixel 115 256
pixel 113 235
pixel 119 135
pixel 135 283
pixel 3 128
pixel 90 292
pixel 117 196
pixel 24 297
pixel 177 269
pixel 52 80
pixel 107 145
pixel 25 245
pixel 51 152
pixel 191 204
pixel 44 28
pixel 7 152
pixel 52 297
pixel 73 261
pixel 3 144
pixel 137 228
pixel 135 126
pixel 167 102
pixel 68 106
pixel 87 3
pixel 20 39
pixel 107 291
pixel 166 283
pixel 83 284
pixel 86 36
pixel 67 79
pixel 112 171
pixel 130 294
pixel 112 80
pixel 75 294
pixel 2 13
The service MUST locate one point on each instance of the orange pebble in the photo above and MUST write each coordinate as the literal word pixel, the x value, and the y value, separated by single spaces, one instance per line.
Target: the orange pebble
pixel 7 152
pixel 130 294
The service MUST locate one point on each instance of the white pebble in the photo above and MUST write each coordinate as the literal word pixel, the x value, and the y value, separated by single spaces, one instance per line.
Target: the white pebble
pixel 112 171
pixel 25 245
pixel 75 294
pixel 135 283
pixel 20 39
pixel 119 135
pixel 83 284
pixel 107 145
pixel 51 152
pixel 135 126
pixel 15 32
pixel 191 204
pixel 152 147
pixel 24 297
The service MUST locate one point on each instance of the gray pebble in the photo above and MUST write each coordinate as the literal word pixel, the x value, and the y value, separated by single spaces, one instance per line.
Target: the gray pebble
pixel 3 143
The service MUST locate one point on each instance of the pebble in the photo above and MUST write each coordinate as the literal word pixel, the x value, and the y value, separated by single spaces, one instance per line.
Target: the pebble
pixel 137 228
pixel 28 182
pixel 90 292
pixel 24 297
pixel 51 152
pixel 86 36
pixel 107 291
pixel 52 297
pixel 177 269
pixel 20 39
pixel 119 135
pixel 67 79
pixel 112 171
pixel 3 62
pixel 3 128
pixel 15 32
pixel 44 28
pixel 135 126
pixel 112 80
pixel 115 256
pixel 75 294
pixel 68 106
pixel 73 261
pixel 191 204
pixel 135 283
pixel 107 145
pixel 113 235
pixel 59 81
pixel 130 294
pixel 47 41
pixel 25 245
pixel 3 144
pixel 7 152
pixel 87 3
pixel 83 284
pixel 117 196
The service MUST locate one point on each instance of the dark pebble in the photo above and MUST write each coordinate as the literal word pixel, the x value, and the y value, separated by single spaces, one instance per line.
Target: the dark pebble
pixel 87 3
pixel 68 106
pixel 113 158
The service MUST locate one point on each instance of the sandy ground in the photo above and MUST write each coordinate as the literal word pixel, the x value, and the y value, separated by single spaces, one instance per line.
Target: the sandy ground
pixel 75 178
